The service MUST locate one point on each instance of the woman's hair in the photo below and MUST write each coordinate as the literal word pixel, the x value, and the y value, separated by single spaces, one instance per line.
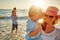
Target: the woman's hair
pixel 14 11
pixel 43 25
pixel 14 8
pixel 55 21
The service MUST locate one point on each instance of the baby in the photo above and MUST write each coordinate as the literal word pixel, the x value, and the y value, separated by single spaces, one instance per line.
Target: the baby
pixel 33 28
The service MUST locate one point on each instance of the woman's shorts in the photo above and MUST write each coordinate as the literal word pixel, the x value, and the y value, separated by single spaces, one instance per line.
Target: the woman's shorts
pixel 14 26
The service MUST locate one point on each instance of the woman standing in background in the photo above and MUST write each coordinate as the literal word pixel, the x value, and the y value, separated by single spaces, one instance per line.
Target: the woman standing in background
pixel 14 20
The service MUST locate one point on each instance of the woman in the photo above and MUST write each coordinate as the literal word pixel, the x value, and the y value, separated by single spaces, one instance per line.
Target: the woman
pixel 14 20
pixel 49 32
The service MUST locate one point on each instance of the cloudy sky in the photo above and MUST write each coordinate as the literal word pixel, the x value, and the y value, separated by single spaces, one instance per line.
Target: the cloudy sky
pixel 25 4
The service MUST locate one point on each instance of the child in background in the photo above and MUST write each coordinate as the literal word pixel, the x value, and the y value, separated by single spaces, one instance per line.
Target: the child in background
pixel 33 27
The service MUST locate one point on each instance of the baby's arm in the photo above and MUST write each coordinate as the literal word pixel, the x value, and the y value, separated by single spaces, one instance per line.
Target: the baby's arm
pixel 31 31
pixel 35 31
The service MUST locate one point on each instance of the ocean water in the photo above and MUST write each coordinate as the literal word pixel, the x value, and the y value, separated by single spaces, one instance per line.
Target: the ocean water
pixel 7 12
pixel 6 24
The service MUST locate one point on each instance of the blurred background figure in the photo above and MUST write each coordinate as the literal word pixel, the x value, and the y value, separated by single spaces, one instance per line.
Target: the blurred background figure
pixel 14 20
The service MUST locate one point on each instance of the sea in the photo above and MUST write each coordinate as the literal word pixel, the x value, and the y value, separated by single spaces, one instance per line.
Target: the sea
pixel 6 24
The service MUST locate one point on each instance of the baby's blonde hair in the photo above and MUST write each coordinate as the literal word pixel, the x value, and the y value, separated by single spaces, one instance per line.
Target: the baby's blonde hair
pixel 34 10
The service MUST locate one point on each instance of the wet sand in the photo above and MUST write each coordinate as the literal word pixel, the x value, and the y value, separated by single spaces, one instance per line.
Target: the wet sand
pixel 5 31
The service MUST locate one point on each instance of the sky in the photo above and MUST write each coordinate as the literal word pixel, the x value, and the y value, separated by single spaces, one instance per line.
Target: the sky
pixel 26 4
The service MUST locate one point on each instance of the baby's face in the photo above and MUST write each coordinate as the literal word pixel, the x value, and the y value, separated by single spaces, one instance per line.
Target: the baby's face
pixel 35 17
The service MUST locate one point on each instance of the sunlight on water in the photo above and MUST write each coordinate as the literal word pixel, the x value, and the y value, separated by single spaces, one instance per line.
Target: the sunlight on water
pixel 6 25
